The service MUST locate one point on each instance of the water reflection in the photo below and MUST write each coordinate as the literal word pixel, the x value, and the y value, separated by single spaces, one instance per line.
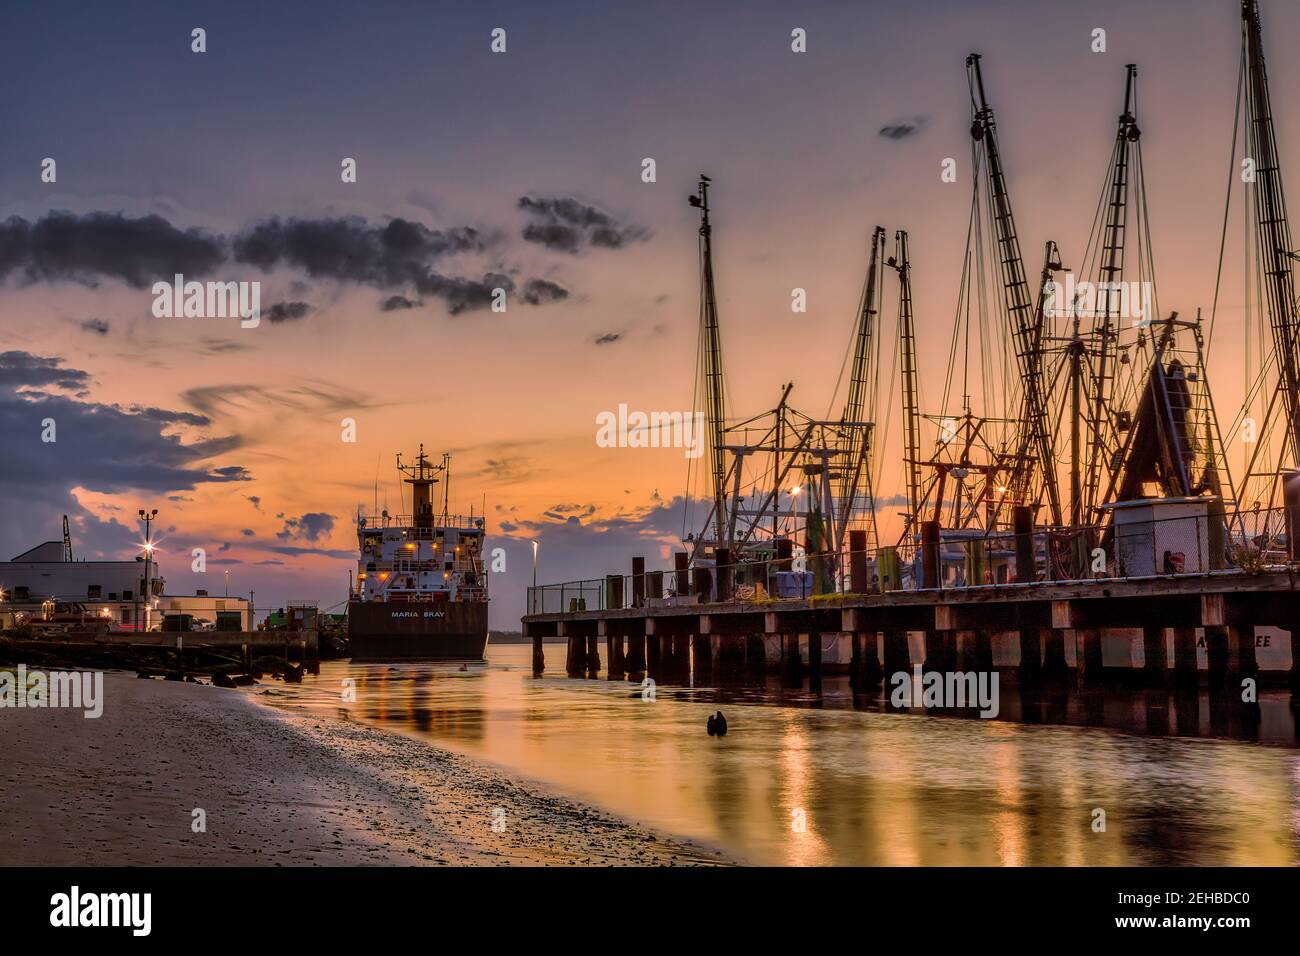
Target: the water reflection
pixel 837 778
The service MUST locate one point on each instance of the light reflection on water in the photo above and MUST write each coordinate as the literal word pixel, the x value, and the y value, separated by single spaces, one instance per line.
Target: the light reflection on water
pixel 869 787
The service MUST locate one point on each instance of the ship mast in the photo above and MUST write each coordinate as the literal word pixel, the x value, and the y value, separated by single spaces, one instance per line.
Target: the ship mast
pixel 1273 233
pixel 711 345
pixel 911 404
pixel 1026 322
pixel 857 434
pixel 421 476
pixel 1102 435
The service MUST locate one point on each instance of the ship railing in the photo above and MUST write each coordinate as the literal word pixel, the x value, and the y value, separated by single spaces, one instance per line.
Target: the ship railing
pixel 440 522
pixel 401 566
pixel 1233 542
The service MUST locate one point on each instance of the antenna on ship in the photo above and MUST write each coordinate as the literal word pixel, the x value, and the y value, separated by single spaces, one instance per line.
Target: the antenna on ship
pixel 446 487
pixel 420 476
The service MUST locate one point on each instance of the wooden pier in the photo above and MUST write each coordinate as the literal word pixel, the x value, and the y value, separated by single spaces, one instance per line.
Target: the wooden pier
pixel 672 639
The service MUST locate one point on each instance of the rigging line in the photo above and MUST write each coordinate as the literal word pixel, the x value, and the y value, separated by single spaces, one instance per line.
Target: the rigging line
pixel 963 288
pixel 1227 199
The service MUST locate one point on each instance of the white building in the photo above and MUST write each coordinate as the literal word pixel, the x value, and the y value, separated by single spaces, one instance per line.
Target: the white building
pixel 37 582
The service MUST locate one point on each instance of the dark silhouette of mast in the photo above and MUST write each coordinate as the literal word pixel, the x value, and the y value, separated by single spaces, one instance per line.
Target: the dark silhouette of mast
pixel 1272 229
pixel 857 465
pixel 1026 321
pixel 711 343
pixel 911 401
pixel 1101 461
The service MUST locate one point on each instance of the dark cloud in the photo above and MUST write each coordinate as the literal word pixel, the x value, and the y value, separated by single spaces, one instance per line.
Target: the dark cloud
pixel 211 346
pixel 351 249
pixel 310 527
pixel 905 127
pixel 107 449
pixel 288 311
pixel 248 532
pixel 98 326
pixel 461 294
pixel 570 225
pixel 22 369
pixel 62 246
pixel 537 291
pixel 402 256
pixel 608 338
pixel 395 302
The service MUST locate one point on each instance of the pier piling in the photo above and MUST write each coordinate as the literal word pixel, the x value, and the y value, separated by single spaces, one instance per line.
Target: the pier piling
pixel 539 656
pixel 1155 655
pixel 681 565
pixel 897 656
pixel 1087 655
pixel 1185 656
pixel 638 582
pixel 791 662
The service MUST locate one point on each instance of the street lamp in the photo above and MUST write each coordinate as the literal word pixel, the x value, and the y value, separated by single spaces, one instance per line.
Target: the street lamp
pixel 147 518
pixel 534 564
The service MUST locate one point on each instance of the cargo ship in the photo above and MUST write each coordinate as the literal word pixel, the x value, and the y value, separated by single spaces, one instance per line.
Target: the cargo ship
pixel 421 589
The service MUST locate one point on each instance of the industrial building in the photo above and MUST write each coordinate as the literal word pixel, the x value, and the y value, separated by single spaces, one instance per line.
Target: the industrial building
pixel 46 583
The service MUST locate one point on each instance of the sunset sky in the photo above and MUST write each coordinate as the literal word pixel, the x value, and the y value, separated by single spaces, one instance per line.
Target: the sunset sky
pixel 476 169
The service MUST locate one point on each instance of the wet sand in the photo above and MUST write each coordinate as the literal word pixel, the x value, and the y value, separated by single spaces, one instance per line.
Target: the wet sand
pixel 278 789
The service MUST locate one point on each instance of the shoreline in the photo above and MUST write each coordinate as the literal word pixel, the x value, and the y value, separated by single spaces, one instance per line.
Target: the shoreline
pixel 275 788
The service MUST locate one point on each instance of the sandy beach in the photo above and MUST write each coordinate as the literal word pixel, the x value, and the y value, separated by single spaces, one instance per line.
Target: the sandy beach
pixel 278 789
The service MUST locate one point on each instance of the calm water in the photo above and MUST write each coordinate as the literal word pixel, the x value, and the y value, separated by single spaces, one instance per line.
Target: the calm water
pixel 808 779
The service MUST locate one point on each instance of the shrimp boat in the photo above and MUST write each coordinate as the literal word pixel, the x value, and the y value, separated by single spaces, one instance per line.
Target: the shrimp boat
pixel 421 590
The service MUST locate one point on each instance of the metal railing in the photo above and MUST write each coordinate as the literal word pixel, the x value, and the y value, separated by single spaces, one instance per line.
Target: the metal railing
pixel 455 522
pixel 1185 544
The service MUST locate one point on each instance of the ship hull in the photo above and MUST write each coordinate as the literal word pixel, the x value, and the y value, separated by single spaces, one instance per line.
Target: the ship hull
pixel 393 631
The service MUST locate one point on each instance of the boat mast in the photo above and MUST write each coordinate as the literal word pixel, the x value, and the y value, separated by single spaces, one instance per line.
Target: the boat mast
pixel 1026 322
pixel 1273 230
pixel 711 343
pixel 911 402
pixel 1101 460
pixel 857 465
